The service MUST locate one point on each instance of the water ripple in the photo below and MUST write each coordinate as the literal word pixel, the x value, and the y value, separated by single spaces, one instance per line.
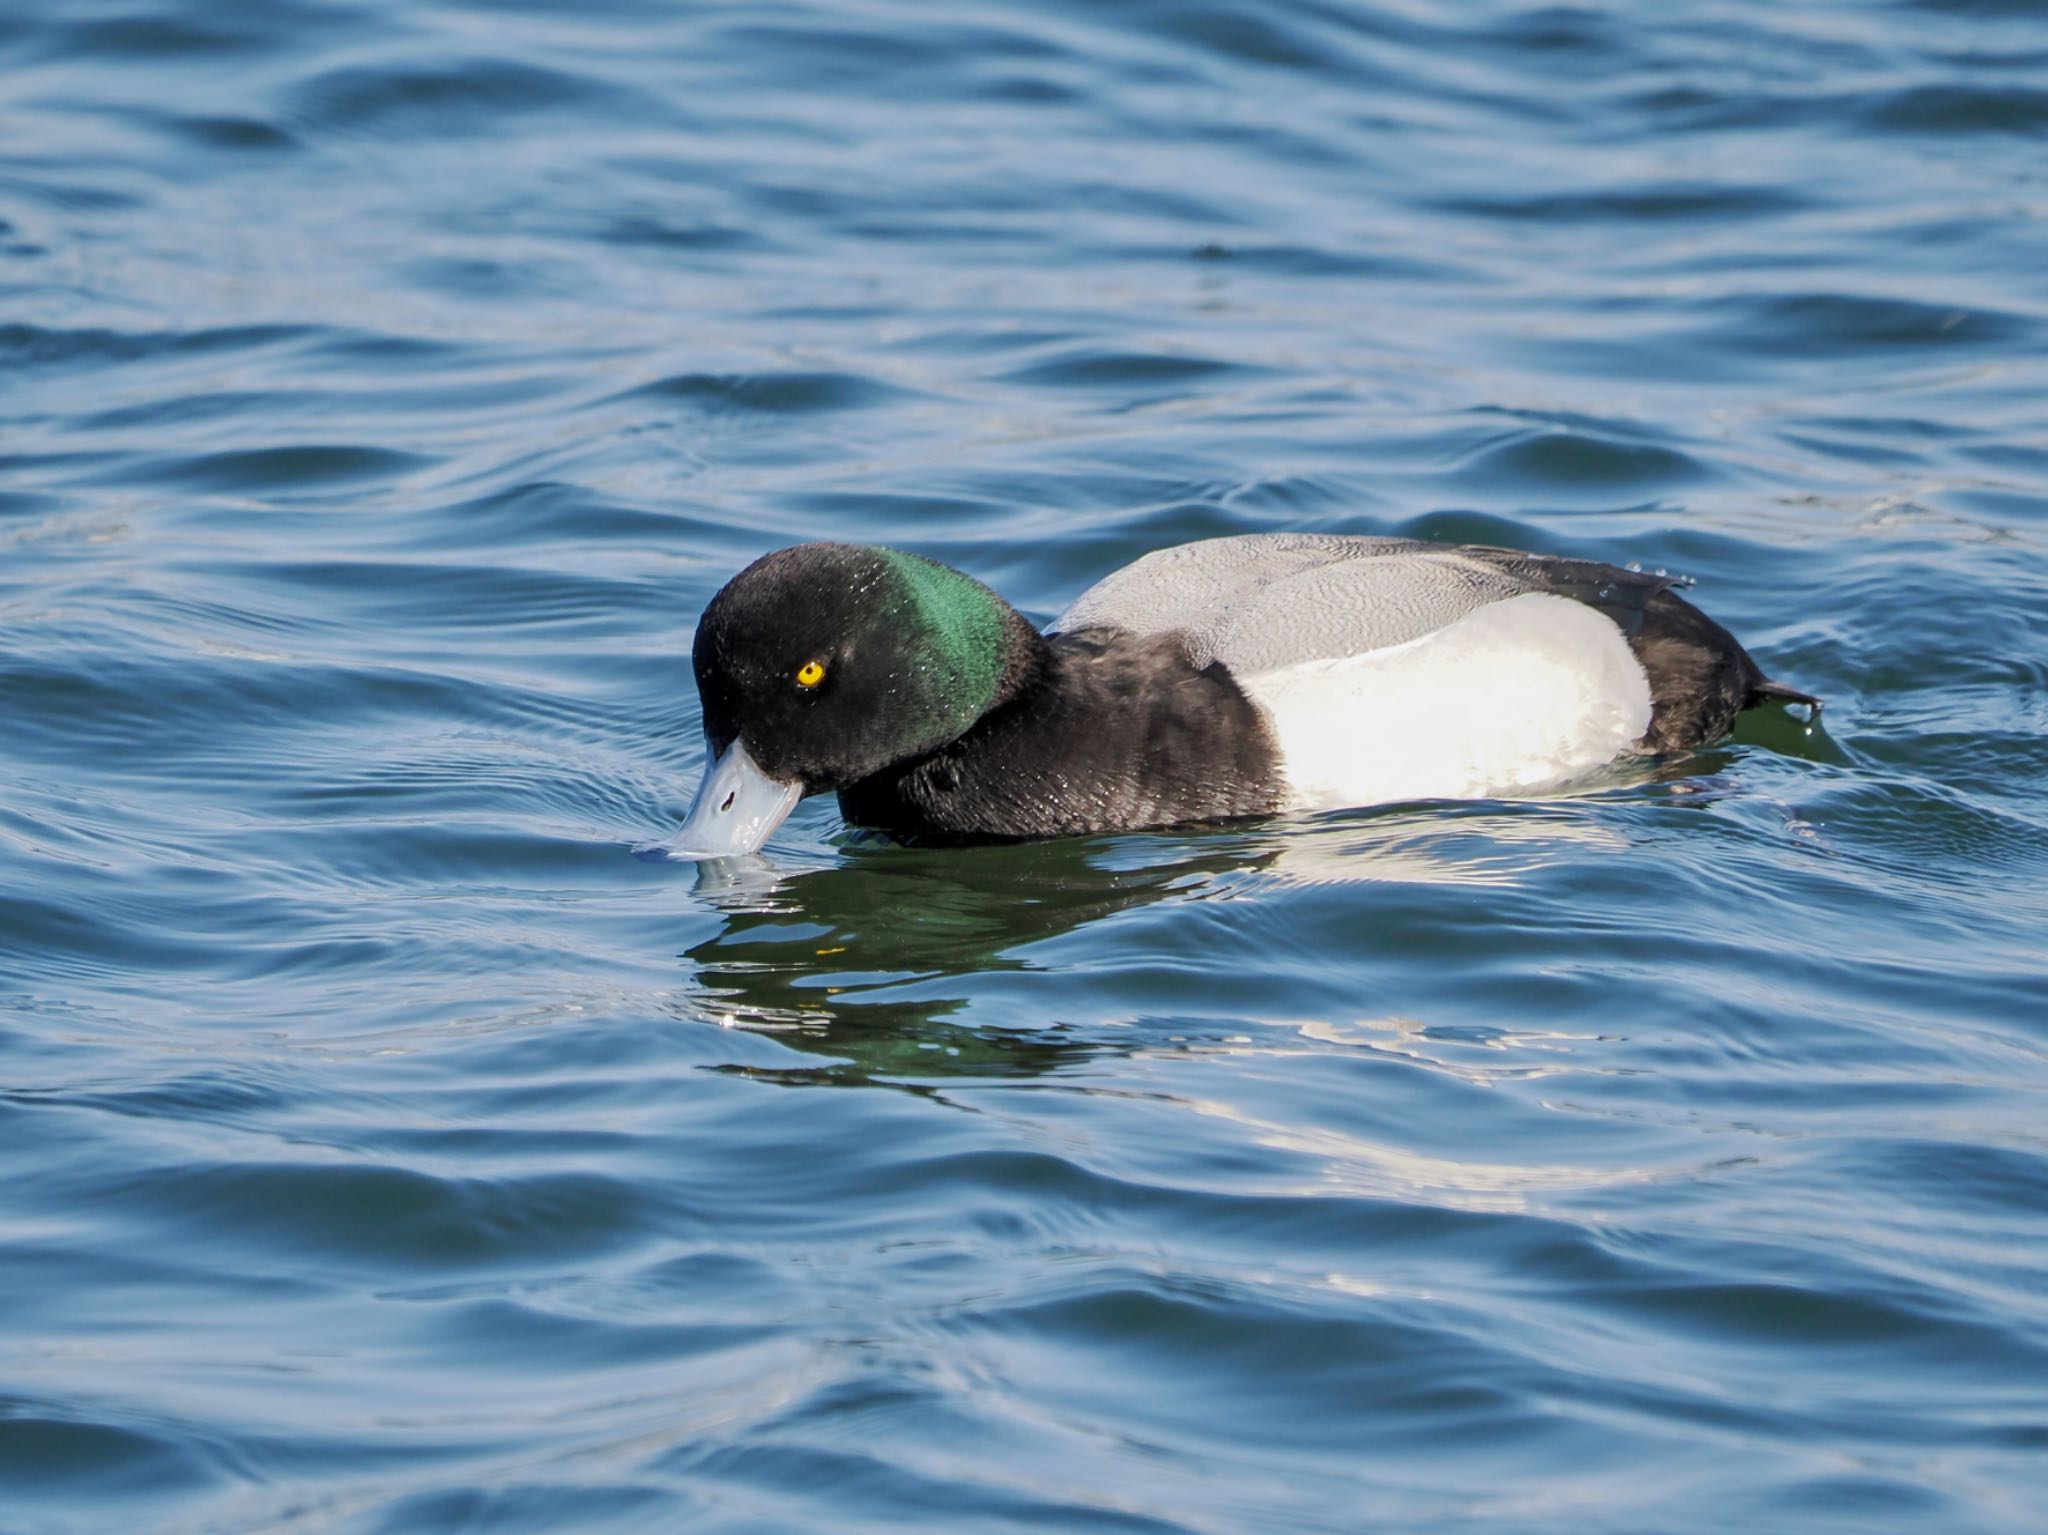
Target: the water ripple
pixel 385 1150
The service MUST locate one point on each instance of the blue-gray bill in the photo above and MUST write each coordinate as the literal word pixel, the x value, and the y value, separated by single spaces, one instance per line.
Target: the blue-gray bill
pixel 737 807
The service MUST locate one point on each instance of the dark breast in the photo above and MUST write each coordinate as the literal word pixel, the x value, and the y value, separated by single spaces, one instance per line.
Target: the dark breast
pixel 1117 732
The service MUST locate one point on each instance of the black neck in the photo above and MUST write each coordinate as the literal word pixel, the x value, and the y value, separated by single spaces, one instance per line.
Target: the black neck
pixel 1027 660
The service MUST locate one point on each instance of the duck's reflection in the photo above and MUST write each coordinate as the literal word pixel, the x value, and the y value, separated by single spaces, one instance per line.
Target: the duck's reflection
pixel 869 962
pixel 870 958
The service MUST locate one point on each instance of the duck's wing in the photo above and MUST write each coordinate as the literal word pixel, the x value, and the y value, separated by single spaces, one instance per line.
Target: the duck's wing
pixel 1263 601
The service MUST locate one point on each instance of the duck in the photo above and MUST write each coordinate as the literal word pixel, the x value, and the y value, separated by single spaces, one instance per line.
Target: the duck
pixel 1215 681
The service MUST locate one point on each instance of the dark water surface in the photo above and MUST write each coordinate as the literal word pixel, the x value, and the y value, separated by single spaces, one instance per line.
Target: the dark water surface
pixel 385 387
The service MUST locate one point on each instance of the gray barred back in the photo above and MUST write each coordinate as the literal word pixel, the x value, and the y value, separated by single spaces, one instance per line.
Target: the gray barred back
pixel 1261 601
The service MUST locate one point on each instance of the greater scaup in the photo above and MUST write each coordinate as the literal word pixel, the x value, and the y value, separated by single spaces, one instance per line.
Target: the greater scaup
pixel 1228 678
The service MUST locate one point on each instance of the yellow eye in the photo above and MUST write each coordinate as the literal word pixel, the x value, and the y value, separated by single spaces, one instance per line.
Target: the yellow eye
pixel 810 674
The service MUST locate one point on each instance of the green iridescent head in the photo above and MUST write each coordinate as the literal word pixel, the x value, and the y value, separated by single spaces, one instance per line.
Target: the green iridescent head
pixel 830 662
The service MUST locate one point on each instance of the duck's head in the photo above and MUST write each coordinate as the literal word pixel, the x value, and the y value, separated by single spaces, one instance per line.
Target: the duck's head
pixel 823 664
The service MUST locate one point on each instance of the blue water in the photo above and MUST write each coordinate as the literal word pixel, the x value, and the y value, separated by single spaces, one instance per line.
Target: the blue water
pixel 384 387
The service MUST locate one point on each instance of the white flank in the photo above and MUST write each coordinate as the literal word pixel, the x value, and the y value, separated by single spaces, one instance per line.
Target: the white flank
pixel 1518 696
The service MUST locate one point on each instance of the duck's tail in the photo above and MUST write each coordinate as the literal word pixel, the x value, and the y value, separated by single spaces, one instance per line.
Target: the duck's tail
pixel 1777 692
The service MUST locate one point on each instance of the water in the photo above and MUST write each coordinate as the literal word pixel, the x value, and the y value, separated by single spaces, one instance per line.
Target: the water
pixel 383 1149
